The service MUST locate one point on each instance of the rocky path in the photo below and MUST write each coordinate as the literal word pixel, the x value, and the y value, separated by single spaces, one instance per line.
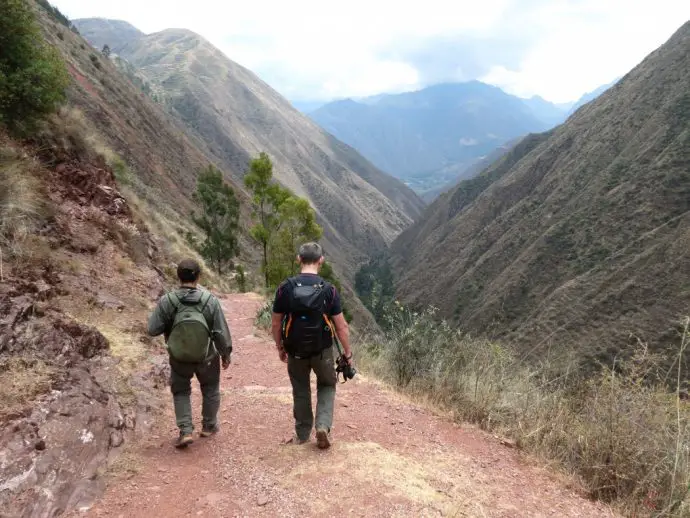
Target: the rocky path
pixel 390 457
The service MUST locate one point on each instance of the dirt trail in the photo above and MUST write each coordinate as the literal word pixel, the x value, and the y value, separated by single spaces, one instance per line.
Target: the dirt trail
pixel 390 457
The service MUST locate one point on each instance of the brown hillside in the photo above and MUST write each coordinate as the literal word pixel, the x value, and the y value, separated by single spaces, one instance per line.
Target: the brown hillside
pixel 578 239
pixel 235 115
pixel 114 33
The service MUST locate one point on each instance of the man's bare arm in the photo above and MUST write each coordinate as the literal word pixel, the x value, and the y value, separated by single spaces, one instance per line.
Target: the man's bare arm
pixel 277 328
pixel 342 329
pixel 277 332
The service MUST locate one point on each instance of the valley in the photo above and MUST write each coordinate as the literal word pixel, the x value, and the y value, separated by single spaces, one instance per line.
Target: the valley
pixel 516 273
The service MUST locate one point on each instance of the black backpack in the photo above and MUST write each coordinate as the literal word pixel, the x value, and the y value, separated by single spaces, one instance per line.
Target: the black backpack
pixel 307 330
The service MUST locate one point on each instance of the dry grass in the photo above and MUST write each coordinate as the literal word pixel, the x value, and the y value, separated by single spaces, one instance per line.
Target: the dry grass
pixel 127 463
pixel 22 203
pixel 625 433
pixel 21 381
pixel 397 476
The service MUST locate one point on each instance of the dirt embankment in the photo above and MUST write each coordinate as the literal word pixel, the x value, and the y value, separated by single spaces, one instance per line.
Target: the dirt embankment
pixel 71 295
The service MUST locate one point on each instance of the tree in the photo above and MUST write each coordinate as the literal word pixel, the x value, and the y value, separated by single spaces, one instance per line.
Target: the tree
pixel 33 78
pixel 283 221
pixel 106 51
pixel 266 197
pixel 218 219
pixel 296 224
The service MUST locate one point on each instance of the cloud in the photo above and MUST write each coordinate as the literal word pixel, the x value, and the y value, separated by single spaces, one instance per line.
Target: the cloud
pixel 316 50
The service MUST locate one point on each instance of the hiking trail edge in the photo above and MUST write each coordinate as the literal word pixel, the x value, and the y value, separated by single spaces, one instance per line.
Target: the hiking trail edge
pixel 390 457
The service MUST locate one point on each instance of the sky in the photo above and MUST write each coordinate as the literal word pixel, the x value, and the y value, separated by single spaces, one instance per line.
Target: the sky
pixel 319 50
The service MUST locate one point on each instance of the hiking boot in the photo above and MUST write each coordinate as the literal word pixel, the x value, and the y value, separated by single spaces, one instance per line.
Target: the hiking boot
pixel 323 440
pixel 184 440
pixel 208 431
pixel 296 440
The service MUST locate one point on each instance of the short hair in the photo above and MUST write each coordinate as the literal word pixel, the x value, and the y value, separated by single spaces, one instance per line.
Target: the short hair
pixel 188 270
pixel 310 253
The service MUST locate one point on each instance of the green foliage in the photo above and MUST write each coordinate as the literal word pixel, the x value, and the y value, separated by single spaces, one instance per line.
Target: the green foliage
pixel 33 78
pixel 283 221
pixel 123 174
pixel 296 224
pixel 106 51
pixel 328 274
pixel 264 316
pixel 241 278
pixel 374 286
pixel 55 13
pixel 96 62
pixel 218 219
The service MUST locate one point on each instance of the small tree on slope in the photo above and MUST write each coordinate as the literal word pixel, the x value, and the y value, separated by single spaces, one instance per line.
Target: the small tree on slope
pixel 33 78
pixel 218 219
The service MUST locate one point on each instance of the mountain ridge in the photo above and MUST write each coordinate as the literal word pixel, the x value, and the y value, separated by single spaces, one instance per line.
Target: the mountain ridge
pixel 416 133
pixel 577 238
pixel 233 115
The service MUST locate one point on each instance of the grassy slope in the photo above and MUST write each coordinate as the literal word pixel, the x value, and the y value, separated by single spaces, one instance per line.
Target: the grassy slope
pixel 234 115
pixel 583 240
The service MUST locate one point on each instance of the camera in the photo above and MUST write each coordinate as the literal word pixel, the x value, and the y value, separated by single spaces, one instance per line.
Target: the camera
pixel 344 368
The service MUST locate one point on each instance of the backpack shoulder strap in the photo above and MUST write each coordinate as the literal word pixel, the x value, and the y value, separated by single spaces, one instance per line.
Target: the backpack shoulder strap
pixel 205 298
pixel 174 301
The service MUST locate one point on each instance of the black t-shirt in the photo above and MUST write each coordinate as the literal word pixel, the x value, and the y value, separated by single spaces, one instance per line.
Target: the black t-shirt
pixel 281 304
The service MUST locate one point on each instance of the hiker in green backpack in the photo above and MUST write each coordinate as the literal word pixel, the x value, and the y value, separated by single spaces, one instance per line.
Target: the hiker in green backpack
pixel 198 342
pixel 307 322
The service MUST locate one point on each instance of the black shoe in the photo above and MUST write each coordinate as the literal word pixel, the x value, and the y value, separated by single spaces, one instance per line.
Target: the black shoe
pixel 208 431
pixel 184 440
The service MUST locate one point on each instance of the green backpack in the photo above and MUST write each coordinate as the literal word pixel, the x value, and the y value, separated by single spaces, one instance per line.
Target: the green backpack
pixel 190 336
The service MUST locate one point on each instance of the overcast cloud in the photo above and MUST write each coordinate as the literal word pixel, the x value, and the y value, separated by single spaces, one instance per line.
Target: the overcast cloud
pixel 320 50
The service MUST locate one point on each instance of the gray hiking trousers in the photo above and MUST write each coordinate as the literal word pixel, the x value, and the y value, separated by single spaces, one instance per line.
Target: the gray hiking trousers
pixel 299 371
pixel 208 374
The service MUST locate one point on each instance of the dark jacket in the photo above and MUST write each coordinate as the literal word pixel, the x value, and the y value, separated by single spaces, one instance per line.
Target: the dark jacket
pixel 161 320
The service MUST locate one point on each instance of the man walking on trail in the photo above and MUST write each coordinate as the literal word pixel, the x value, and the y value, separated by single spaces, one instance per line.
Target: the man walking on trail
pixel 306 314
pixel 198 342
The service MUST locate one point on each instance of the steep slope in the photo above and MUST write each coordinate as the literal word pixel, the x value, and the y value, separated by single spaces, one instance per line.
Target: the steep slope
pixel 235 115
pixel 114 33
pixel 417 133
pixel 578 238
pixel 590 96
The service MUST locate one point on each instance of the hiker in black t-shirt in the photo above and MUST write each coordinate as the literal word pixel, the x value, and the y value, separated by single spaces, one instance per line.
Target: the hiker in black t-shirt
pixel 306 314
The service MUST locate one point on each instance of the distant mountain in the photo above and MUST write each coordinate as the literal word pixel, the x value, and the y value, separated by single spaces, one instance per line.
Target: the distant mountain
pixel 307 107
pixel 418 133
pixel 590 96
pixel 114 33
pixel 550 113
pixel 233 116
pixel 576 240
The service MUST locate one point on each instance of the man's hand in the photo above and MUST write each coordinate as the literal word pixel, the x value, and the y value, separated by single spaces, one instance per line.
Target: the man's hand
pixel 282 354
pixel 225 363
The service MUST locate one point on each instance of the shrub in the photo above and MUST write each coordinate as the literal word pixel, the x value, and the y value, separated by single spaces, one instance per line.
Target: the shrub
pixel 264 316
pixel 33 78
pixel 622 431
pixel 241 278
pixel 96 62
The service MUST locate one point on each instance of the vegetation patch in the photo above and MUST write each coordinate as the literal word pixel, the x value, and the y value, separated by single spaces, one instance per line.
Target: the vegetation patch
pixel 34 77
pixel 21 381
pixel 624 432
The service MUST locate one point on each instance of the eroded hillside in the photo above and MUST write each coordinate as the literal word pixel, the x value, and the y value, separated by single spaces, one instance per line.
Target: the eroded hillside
pixel 577 239
pixel 234 115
